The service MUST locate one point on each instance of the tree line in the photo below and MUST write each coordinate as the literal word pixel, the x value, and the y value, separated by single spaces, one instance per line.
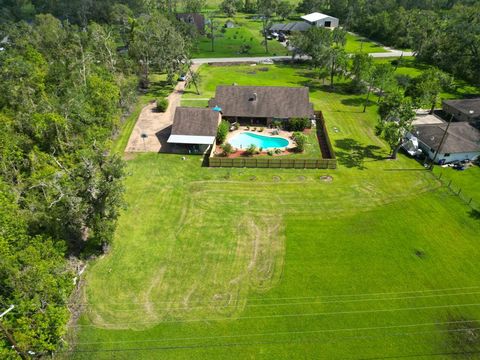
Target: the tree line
pixel 445 33
pixel 63 89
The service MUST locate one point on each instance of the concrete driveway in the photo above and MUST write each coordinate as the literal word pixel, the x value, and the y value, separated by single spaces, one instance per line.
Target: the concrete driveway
pixel 153 128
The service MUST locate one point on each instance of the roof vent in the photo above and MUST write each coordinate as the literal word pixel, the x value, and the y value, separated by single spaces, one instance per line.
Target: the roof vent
pixel 253 97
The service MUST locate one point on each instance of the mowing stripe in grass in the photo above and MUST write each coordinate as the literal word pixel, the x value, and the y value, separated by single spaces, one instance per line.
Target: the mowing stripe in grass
pixel 282 342
pixel 289 315
pixel 293 298
pixel 307 302
pixel 281 333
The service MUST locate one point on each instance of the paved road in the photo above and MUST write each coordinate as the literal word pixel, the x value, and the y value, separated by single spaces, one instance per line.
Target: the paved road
pixel 388 54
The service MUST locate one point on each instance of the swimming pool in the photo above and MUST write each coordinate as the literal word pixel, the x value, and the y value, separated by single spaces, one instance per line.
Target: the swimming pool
pixel 244 140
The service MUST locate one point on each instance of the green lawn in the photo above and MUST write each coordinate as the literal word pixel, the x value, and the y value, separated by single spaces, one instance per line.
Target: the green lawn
pixel 413 68
pixel 467 182
pixel 278 264
pixel 248 31
pixel 356 43
pixel 228 43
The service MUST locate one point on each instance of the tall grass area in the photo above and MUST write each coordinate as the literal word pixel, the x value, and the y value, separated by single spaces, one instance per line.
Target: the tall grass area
pixel 377 260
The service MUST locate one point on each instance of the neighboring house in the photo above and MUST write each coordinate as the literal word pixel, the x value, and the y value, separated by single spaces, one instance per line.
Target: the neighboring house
pixel 462 142
pixel 262 104
pixel 193 19
pixel 229 24
pixel 290 27
pixel 463 110
pixel 321 20
pixel 194 128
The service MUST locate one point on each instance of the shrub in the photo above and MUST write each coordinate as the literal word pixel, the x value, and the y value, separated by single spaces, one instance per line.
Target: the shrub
pixel 278 151
pixel 277 124
pixel 251 150
pixel 237 126
pixel 270 152
pixel 301 140
pixel 245 48
pixel 162 105
pixel 222 131
pixel 228 149
pixel 297 124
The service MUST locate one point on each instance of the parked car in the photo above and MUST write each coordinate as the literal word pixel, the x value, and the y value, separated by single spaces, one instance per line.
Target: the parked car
pixel 182 77
pixel 266 62
pixel 282 37
pixel 274 34
pixel 269 37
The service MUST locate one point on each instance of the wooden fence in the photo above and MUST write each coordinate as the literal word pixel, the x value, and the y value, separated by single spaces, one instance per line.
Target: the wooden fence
pixel 273 163
pixel 327 162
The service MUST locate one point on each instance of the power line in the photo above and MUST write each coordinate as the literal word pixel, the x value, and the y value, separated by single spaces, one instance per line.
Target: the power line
pixel 299 303
pixel 305 297
pixel 278 333
pixel 285 315
pixel 271 342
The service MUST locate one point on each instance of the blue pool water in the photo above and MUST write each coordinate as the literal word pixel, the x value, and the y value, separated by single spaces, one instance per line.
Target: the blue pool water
pixel 244 140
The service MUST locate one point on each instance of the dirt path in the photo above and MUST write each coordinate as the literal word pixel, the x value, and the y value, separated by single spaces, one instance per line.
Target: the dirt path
pixel 156 126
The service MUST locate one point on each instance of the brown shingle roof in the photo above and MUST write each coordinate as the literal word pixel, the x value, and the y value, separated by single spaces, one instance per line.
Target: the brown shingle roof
pixel 195 122
pixel 198 20
pixel 461 137
pixel 271 101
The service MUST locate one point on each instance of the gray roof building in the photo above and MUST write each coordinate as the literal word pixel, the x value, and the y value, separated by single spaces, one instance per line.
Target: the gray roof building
pixel 291 27
pixel 461 137
pixel 194 126
pixel 463 110
pixel 263 101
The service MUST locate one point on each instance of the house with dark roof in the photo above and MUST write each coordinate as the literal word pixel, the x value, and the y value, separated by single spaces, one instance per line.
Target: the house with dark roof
pixel 194 19
pixel 461 142
pixel 262 104
pixel 195 129
pixel 463 110
pixel 289 28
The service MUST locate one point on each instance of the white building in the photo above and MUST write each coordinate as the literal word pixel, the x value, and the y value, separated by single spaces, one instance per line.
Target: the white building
pixel 321 20
pixel 461 142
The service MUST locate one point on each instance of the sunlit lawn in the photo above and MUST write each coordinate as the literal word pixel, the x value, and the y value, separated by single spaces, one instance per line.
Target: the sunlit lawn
pixel 382 261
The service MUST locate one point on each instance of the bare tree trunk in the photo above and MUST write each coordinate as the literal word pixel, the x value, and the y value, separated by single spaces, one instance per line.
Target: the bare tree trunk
pixel 332 73
pixel 395 151
pixel 366 100
pixel 264 20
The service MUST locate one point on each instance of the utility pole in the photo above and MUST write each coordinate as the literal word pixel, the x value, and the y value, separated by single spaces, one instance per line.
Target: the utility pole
pixel 441 143
pixel 9 336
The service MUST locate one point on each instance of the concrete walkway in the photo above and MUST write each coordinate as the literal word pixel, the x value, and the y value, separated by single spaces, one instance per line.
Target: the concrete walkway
pixel 156 126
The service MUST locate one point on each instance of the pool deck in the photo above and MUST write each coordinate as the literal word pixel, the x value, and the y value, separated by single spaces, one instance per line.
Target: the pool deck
pixel 287 135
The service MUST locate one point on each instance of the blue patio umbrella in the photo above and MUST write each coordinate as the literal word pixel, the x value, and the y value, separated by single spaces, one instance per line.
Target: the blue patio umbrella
pixel 217 108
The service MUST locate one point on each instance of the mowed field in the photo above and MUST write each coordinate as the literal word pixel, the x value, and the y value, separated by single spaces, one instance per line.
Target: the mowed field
pixel 379 262
pixel 249 31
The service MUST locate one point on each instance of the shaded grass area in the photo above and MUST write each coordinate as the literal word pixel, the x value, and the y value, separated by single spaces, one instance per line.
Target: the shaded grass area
pixel 261 263
pixel 412 68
